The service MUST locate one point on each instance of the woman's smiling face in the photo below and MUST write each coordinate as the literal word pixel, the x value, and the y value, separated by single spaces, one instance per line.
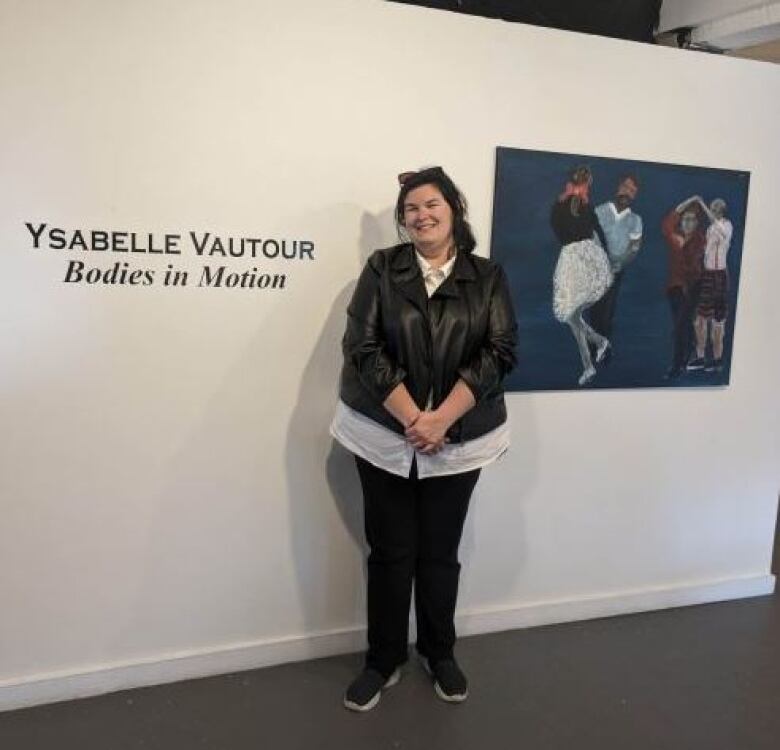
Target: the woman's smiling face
pixel 428 217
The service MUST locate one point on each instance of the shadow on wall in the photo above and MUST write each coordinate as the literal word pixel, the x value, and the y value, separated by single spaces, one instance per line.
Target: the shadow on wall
pixel 325 501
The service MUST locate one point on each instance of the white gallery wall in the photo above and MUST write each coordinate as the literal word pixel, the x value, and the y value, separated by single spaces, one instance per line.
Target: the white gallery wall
pixel 171 503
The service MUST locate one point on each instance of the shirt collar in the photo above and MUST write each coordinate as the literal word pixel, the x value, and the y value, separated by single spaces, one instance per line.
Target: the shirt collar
pixel 426 267
pixel 619 214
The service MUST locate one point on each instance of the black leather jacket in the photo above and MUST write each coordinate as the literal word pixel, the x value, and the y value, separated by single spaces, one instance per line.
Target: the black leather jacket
pixel 467 329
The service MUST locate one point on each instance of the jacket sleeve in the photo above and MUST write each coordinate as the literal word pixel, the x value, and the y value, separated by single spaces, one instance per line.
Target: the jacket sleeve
pixel 669 229
pixel 497 356
pixel 363 343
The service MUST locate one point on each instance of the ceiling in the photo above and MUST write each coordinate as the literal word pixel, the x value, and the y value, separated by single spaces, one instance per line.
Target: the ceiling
pixel 739 28
pixel 769 52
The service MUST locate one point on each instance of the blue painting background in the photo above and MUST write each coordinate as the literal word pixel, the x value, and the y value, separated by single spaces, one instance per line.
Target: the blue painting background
pixel 527 183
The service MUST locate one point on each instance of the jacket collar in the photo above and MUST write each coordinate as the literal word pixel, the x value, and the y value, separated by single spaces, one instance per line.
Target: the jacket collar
pixel 406 276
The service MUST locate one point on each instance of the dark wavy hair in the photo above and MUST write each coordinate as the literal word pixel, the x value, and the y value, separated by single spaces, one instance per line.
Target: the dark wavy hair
pixel 461 229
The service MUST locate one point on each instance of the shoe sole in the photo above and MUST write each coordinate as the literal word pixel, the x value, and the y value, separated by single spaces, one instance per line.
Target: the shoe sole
pixel 391 680
pixel 456 698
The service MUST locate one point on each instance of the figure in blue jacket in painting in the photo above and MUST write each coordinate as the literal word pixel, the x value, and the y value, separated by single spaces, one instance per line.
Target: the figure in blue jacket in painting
pixel 623 231
pixel 582 274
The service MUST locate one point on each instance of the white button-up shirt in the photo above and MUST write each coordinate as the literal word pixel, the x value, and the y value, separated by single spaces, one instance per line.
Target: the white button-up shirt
pixel 393 452
pixel 718 240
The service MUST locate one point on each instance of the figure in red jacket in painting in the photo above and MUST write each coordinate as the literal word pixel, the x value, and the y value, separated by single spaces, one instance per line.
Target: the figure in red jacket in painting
pixel 683 230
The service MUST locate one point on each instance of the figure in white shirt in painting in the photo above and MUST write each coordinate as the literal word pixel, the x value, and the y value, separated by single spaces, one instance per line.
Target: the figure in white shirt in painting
pixel 430 337
pixel 623 231
pixel 712 308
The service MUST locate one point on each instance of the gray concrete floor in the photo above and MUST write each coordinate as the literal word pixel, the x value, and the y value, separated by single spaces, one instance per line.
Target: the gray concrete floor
pixel 680 679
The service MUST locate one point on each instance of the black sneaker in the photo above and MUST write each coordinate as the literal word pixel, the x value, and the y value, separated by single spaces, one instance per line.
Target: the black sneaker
pixel 715 366
pixel 366 689
pixel 449 681
pixel 696 364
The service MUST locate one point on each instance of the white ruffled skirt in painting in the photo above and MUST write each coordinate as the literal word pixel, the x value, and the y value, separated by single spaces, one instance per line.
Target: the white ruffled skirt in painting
pixel 581 277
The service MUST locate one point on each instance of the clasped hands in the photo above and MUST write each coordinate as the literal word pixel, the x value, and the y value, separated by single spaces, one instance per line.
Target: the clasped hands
pixel 427 431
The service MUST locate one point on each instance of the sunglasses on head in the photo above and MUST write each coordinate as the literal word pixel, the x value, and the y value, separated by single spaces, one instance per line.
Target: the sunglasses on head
pixel 405 176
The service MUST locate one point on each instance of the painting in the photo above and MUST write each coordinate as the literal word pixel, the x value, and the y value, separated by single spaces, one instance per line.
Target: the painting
pixel 623 273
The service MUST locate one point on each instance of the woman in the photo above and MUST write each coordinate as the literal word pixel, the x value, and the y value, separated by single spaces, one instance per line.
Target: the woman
pixel 430 336
pixel 582 274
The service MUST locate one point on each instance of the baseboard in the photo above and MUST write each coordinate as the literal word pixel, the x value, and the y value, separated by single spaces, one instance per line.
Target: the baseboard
pixel 534 614
pixel 173 667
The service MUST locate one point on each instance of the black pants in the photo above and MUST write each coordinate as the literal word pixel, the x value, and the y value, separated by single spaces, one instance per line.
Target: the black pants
pixel 683 307
pixel 413 528
pixel 602 312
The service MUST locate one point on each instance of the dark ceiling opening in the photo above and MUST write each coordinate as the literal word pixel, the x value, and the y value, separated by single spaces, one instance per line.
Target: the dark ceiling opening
pixel 635 20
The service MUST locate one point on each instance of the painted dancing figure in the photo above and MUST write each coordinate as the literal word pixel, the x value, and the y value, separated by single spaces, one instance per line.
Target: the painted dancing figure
pixel 582 274
pixel 712 307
